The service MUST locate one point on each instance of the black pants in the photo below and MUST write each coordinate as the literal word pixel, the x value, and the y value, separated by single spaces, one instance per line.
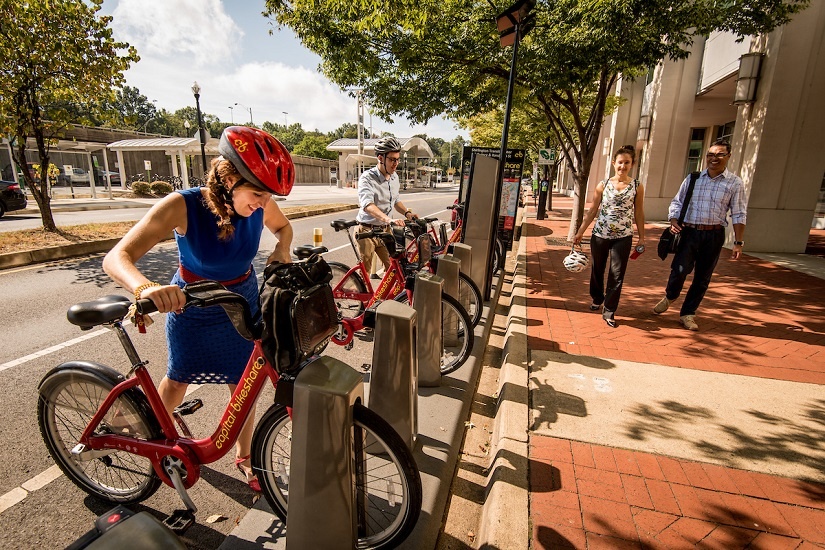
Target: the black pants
pixel 699 250
pixel 618 250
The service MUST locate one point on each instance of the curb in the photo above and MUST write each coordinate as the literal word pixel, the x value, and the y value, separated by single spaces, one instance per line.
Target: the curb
pixel 20 259
pixel 505 518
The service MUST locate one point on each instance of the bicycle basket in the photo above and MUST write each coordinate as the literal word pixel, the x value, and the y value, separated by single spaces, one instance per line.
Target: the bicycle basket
pixel 298 311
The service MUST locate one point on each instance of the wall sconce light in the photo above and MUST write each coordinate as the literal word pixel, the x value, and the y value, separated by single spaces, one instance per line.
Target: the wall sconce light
pixel 749 66
pixel 644 128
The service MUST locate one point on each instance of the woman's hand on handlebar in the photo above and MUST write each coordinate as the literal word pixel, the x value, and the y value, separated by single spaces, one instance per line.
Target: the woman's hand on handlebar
pixel 166 298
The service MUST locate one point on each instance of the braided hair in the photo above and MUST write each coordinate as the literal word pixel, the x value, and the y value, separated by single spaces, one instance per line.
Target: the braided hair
pixel 219 198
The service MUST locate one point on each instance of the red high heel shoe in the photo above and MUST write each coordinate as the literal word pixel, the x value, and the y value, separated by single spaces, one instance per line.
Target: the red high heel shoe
pixel 251 481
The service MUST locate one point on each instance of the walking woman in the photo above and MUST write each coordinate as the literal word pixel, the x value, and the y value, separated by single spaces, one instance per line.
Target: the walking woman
pixel 617 203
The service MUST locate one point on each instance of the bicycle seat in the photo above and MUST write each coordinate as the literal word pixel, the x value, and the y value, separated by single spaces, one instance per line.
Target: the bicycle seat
pixel 105 309
pixel 340 225
pixel 304 251
pixel 430 220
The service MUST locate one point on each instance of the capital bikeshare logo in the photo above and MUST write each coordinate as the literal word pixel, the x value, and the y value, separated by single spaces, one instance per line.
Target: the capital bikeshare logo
pixel 237 404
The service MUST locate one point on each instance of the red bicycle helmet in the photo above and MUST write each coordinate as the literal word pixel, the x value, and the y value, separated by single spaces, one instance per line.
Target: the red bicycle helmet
pixel 259 158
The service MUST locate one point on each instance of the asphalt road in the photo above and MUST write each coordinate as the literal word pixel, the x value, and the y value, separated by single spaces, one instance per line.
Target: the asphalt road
pixel 40 508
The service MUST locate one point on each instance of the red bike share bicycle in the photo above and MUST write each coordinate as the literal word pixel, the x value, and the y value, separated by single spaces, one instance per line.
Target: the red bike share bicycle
pixel 111 435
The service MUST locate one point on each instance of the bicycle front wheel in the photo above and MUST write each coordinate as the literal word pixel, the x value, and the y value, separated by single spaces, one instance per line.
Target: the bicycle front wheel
pixel 470 297
pixel 341 283
pixel 70 395
pixel 456 332
pixel 388 485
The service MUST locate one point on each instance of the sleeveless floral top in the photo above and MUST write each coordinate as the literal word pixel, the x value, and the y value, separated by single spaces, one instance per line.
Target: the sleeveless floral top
pixel 615 219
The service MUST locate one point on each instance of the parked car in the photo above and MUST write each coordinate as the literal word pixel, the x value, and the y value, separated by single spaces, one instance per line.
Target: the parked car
pixel 113 176
pixel 79 176
pixel 11 197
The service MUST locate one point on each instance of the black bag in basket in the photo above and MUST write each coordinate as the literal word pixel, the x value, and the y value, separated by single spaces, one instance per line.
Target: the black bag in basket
pixel 298 311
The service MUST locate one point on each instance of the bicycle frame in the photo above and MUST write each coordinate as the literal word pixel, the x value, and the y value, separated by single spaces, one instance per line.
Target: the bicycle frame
pixel 391 285
pixel 192 453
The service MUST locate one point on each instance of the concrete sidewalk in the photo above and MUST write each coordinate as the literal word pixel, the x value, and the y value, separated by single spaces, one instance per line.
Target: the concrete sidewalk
pixel 651 436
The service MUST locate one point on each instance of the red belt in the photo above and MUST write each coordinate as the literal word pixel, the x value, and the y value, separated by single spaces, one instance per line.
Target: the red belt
pixel 189 277
pixel 702 227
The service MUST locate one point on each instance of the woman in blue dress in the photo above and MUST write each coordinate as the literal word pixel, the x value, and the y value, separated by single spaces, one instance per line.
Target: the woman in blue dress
pixel 218 231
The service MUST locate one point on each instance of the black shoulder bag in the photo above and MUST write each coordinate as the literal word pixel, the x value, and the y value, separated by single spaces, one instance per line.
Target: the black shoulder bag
pixel 669 242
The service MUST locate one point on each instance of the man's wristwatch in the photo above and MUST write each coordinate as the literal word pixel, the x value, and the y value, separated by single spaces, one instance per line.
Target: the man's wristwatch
pixel 739 243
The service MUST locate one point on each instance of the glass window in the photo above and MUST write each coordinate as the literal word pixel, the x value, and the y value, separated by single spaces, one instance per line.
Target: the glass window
pixel 696 149
pixel 726 131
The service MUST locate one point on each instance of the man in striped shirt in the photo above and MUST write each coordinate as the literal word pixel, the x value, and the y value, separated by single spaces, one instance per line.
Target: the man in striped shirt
pixel 717 191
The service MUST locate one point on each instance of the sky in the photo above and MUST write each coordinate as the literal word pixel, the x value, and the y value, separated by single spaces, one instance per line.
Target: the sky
pixel 242 70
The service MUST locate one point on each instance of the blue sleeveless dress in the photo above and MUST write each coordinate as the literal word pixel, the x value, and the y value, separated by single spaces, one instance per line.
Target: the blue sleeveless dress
pixel 203 345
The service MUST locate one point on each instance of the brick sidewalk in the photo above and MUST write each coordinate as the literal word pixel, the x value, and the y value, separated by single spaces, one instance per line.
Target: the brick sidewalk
pixel 757 318
pixel 591 496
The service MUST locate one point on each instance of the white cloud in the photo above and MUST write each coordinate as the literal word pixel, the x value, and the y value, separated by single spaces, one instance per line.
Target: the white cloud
pixel 182 41
pixel 198 31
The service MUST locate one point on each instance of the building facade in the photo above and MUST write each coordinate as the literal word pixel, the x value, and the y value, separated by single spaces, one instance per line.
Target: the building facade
pixel 765 94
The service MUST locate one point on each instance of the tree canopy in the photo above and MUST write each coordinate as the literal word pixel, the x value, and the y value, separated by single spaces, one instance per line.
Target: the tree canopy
pixel 59 59
pixel 429 58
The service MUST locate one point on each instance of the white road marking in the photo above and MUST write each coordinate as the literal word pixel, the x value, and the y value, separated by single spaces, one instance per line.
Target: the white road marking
pixel 52 349
pixel 11 498
pixel 41 480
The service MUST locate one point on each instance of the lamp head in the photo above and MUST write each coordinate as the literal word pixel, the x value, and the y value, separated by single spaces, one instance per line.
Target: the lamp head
pixel 195 88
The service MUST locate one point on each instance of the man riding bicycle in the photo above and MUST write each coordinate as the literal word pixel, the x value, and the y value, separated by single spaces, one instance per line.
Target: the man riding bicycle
pixel 378 194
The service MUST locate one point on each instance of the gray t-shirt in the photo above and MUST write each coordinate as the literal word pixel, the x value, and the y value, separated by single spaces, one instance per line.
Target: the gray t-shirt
pixel 374 188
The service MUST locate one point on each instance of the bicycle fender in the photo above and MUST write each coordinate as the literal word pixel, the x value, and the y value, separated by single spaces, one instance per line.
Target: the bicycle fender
pixel 103 372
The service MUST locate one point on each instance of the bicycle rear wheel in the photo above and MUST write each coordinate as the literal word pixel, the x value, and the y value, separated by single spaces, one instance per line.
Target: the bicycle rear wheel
pixel 388 485
pixel 69 396
pixel 456 332
pixel 340 283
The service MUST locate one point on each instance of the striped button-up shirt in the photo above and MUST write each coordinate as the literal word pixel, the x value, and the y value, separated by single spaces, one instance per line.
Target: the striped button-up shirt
pixel 712 199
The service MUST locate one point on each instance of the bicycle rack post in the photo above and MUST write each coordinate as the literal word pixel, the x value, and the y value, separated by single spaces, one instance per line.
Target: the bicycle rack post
pixel 322 476
pixel 448 268
pixel 463 253
pixel 427 305
pixel 394 378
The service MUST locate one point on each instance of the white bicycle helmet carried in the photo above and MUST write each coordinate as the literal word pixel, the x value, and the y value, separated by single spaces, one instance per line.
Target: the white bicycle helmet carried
pixel 576 261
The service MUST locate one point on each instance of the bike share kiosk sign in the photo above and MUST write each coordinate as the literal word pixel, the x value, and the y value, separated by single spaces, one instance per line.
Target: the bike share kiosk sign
pixel 510 187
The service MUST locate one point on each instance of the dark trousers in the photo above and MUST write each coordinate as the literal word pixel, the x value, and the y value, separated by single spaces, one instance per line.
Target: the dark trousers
pixel 618 251
pixel 697 250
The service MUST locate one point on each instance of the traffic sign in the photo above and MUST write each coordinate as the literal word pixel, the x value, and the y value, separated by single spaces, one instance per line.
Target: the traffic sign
pixel 547 156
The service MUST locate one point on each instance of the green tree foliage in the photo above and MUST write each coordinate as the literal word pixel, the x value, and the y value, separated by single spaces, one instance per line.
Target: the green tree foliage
pixel 346 130
pixel 428 58
pixel 290 135
pixel 58 58
pixel 314 145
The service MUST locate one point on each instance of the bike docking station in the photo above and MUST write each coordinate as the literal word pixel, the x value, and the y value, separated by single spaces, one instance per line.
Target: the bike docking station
pixel 322 475
pixel 464 254
pixel 394 380
pixel 427 304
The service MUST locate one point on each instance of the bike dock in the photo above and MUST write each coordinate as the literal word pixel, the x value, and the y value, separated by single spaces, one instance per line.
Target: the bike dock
pixel 442 407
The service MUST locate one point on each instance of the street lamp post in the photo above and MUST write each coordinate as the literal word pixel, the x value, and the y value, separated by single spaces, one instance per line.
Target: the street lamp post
pixel 285 122
pixel 201 132
pixel 232 114
pixel 248 109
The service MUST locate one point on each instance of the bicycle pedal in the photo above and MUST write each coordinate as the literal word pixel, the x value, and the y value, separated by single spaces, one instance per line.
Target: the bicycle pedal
pixel 180 521
pixel 189 407
pixel 366 367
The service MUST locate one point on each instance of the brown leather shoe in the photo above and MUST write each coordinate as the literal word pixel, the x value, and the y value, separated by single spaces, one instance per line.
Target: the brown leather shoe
pixel 662 306
pixel 689 322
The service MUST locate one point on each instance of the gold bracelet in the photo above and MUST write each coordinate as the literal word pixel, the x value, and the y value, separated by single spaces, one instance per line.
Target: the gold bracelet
pixel 143 287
